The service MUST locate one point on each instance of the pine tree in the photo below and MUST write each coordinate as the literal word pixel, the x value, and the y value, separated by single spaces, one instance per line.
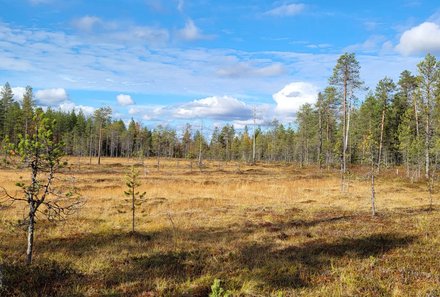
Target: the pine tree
pixel 384 94
pixel 132 183
pixel 7 122
pixel 27 108
pixel 428 79
pixel 346 78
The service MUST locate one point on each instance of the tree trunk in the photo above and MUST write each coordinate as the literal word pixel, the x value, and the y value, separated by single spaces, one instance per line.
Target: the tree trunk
pixel 344 127
pixel 133 210
pixel 100 144
pixel 200 152
pixel 30 239
pixel 427 146
pixel 382 124
pixel 320 140
pixel 373 193
pixel 90 150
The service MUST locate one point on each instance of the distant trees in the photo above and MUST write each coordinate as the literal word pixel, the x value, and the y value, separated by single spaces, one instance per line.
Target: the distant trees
pixel 404 117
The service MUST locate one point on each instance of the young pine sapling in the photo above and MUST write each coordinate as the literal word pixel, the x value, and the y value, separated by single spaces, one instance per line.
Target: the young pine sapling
pixel 132 183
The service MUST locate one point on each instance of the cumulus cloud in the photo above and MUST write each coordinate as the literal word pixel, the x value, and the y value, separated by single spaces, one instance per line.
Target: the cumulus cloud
pixel 246 70
pixel 292 96
pixel 124 100
pixel 18 93
pixel 149 112
pixel 68 106
pixel 421 39
pixel 287 10
pixel 215 107
pixel 50 97
pixel 191 32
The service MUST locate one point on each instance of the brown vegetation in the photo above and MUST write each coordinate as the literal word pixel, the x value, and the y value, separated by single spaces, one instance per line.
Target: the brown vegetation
pixel 265 230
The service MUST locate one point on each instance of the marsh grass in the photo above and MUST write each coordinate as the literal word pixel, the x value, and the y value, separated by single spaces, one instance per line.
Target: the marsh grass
pixel 266 230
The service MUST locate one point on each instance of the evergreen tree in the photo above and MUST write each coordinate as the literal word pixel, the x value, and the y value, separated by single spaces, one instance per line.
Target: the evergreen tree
pixel 346 78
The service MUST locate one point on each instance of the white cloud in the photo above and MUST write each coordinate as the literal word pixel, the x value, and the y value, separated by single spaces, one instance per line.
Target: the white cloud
pixel 124 100
pixel 79 62
pixel 153 36
pixel 134 110
pixel 244 69
pixel 98 29
pixel 319 46
pixel 287 10
pixel 51 97
pixel 421 39
pixel 373 44
pixel 292 96
pixel 87 23
pixel 69 106
pixel 149 112
pixel 191 32
pixel 18 93
pixel 215 107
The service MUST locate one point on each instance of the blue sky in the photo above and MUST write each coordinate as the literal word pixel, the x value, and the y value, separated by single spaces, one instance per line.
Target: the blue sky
pixel 177 61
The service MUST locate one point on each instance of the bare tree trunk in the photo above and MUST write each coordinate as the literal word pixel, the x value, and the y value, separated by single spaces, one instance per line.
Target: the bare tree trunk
pixel 416 116
pixel 346 137
pixel 320 140
pixel 373 193
pixel 254 141
pixel 90 150
pixel 427 146
pixel 382 125
pixel 30 239
pixel 200 149
pixel 327 146
pixel 132 210
pixel 99 144
pixel 344 127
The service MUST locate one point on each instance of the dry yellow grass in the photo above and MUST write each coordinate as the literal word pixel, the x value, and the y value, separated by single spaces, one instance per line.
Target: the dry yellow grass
pixel 266 230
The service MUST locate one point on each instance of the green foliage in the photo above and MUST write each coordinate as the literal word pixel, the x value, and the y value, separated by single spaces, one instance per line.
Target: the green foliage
pixel 217 290
pixel 328 131
pixel 41 150
pixel 132 182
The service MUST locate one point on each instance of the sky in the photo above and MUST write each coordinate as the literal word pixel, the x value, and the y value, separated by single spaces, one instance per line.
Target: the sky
pixel 171 62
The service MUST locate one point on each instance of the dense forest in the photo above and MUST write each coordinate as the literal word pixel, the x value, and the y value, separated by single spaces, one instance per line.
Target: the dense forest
pixel 397 123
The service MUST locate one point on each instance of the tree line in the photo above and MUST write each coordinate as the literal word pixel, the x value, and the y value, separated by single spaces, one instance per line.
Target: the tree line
pixel 396 123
